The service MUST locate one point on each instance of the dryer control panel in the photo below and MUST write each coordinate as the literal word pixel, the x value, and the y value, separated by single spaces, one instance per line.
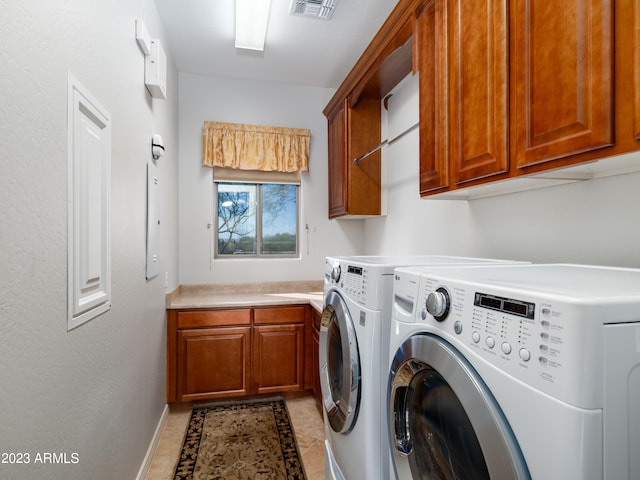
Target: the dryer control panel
pixel 544 342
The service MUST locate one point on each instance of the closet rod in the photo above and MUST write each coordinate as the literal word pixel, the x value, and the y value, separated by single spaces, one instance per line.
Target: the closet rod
pixel 386 142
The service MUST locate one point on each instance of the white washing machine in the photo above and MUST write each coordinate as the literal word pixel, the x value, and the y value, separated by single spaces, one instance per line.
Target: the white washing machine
pixel 354 341
pixel 515 372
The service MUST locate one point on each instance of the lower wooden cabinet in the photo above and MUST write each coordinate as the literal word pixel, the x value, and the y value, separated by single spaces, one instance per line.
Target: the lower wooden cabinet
pixel 218 353
pixel 213 362
pixel 317 392
pixel 278 354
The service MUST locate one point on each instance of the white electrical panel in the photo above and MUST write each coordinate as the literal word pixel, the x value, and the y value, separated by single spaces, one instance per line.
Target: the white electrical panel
pixel 155 70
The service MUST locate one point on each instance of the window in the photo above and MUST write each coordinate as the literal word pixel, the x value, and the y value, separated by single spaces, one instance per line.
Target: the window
pixel 256 219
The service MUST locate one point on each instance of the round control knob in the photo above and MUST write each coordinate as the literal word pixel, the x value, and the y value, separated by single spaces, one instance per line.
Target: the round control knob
pixel 438 304
pixel 335 273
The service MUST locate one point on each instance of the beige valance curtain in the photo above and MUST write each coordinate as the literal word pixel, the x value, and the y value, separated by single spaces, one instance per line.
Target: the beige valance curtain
pixel 254 147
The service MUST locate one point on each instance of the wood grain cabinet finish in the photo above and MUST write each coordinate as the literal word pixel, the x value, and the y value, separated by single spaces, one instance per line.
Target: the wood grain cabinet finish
pixel 213 363
pixel 507 88
pixel 278 349
pixel 462 55
pixel 562 78
pixel 478 88
pixel 219 353
pixel 337 161
pixel 278 358
pixel 317 391
pixel 635 41
pixel 430 55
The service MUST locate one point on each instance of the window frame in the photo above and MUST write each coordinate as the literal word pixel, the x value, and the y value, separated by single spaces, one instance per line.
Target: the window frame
pixel 258 209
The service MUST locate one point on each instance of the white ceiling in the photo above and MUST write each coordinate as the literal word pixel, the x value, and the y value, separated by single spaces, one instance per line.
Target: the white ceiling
pixel 298 50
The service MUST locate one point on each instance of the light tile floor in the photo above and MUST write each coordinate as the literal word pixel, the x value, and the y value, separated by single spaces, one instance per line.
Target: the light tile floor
pixel 307 425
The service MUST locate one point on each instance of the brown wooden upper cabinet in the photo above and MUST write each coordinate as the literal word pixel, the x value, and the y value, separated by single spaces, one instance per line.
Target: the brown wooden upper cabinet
pixel 337 162
pixel 632 39
pixel 462 50
pixel 354 189
pixel 520 83
pixel 562 78
pixel 507 88
pixel 354 116
pixel 431 58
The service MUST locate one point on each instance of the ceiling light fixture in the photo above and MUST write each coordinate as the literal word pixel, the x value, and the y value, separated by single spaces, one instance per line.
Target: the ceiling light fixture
pixel 252 17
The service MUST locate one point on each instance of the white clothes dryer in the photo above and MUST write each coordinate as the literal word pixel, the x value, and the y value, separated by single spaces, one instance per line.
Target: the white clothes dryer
pixel 354 341
pixel 515 372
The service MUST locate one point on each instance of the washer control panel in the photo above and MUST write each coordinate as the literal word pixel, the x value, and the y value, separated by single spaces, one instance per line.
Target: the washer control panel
pixel 544 342
pixel 354 282
pixel 352 279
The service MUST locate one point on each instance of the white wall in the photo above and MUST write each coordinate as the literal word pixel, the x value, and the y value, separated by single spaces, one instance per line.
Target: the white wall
pixel 259 103
pixel 594 221
pixel 413 226
pixel 98 390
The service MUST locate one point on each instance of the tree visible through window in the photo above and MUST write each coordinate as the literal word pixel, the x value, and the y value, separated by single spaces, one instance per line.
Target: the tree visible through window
pixel 257 219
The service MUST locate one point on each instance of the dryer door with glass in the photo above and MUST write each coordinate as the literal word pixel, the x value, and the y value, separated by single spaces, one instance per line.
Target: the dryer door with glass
pixel 443 421
pixel 339 364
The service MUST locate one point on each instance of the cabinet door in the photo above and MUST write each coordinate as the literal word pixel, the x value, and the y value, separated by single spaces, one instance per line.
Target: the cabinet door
pixel 431 58
pixel 633 10
pixel 478 88
pixel 213 363
pixel 561 73
pixel 278 358
pixel 317 392
pixel 337 129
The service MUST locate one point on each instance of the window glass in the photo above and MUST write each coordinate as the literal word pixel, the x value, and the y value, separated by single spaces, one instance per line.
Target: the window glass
pixel 279 219
pixel 236 219
pixel 256 219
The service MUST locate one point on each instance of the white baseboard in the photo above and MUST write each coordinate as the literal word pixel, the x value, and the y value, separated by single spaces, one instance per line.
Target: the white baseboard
pixel 146 464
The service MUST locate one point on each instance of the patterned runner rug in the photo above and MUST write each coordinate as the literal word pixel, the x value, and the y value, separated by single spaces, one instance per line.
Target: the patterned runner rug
pixel 240 441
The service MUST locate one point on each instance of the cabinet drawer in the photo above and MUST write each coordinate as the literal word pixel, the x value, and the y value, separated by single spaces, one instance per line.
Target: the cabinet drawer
pixel 271 316
pixel 213 318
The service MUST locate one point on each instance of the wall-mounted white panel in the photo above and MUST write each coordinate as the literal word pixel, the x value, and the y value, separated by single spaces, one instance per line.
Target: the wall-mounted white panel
pixel 153 220
pixel 155 70
pixel 89 205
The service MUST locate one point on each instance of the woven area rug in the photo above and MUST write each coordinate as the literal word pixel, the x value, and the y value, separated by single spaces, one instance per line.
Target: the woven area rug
pixel 240 441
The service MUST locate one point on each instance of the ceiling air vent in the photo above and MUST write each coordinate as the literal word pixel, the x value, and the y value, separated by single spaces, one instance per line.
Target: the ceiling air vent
pixel 322 9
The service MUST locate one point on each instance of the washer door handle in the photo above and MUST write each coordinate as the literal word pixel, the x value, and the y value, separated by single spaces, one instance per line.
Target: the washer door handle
pixel 401 436
pixel 330 406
